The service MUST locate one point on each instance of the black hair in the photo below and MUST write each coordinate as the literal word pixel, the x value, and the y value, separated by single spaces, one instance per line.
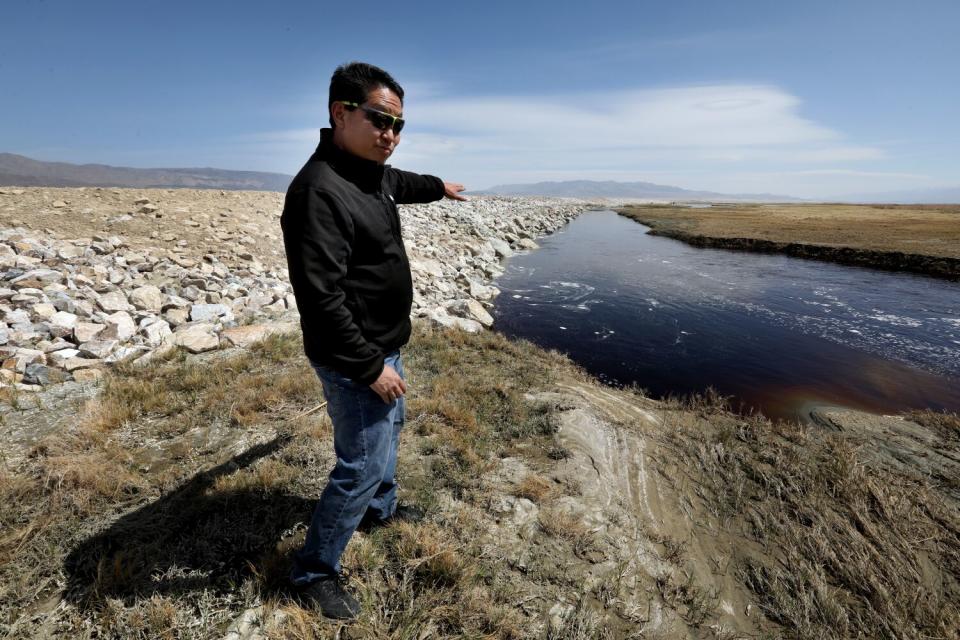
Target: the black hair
pixel 354 81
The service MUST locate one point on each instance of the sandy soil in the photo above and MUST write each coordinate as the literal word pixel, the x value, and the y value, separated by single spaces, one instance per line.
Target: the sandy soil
pixel 190 222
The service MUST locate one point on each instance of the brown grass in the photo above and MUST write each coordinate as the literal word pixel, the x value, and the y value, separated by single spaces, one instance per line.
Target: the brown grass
pixel 535 488
pixel 932 230
pixel 694 603
pixel 943 423
pixel 833 546
pixel 162 517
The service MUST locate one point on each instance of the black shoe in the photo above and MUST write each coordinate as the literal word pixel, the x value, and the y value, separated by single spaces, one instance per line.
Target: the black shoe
pixel 404 513
pixel 330 598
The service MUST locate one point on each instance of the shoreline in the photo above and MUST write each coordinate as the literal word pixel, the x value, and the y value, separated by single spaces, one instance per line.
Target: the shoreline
pixel 942 268
pixel 844 252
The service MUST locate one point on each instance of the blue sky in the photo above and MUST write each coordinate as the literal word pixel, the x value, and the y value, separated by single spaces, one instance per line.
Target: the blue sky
pixel 804 98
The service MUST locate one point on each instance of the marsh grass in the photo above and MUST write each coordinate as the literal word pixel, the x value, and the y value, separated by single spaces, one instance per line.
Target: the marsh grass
pixel 943 423
pixel 834 546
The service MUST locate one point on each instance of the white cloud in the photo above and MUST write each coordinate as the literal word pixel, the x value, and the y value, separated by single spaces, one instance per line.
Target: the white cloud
pixel 706 116
pixel 733 138
pixel 703 132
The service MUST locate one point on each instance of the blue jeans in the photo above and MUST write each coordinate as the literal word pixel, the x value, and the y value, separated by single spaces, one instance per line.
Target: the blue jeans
pixel 366 432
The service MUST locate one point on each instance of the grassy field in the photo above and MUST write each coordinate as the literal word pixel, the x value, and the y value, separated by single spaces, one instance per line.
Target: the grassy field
pixel 170 508
pixel 920 238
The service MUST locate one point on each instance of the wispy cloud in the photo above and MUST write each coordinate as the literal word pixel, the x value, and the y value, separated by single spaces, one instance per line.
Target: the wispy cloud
pixel 699 131
pixel 682 117
pixel 732 137
pixel 636 49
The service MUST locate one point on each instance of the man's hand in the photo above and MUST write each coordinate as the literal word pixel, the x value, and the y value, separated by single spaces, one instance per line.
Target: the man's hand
pixel 389 386
pixel 452 190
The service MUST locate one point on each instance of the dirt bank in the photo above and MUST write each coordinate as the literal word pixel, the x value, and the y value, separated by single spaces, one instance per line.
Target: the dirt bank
pixel 921 239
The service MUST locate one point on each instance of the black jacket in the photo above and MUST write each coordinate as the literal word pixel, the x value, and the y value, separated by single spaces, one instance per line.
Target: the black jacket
pixel 347 262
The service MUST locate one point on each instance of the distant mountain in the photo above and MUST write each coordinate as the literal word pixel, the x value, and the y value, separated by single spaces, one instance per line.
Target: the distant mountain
pixel 18 170
pixel 587 189
pixel 946 195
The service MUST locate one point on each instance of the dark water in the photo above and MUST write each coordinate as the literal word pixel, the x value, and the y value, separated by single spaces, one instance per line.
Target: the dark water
pixel 779 334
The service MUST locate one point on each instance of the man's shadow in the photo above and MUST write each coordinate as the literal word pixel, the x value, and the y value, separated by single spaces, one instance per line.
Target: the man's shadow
pixel 195 538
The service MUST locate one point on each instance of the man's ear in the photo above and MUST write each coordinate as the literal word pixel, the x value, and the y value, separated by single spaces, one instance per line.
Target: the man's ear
pixel 337 112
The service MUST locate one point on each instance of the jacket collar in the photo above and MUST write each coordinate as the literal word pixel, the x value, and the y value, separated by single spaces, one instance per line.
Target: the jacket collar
pixel 366 174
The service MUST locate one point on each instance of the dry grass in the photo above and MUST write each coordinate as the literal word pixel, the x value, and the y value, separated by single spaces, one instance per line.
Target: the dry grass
pixel 581 622
pixel 918 238
pixel 925 229
pixel 833 546
pixel 535 488
pixel 943 423
pixel 158 516
pixel 695 604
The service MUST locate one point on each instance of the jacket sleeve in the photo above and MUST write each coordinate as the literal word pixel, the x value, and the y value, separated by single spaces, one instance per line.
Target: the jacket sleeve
pixel 317 236
pixel 411 188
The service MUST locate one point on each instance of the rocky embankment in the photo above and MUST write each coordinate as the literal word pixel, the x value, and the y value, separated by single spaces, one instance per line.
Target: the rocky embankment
pixel 90 277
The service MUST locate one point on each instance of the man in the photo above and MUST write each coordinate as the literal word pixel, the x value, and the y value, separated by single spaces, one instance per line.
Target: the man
pixel 354 290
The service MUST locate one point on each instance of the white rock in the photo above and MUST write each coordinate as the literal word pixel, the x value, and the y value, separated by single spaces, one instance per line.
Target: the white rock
pixel 120 326
pixel 427 266
pixel 72 364
pixel 70 252
pixel 442 318
pixel 23 358
pixel 43 311
pixel 16 316
pixel 58 344
pixel 98 348
pixel 207 312
pixel 174 302
pixel 148 298
pixel 63 319
pixel 195 338
pixel 501 247
pixel 86 331
pixel 122 353
pixel 472 310
pixel 57 358
pixel 114 301
pixel 176 317
pixel 155 332
pixel 248 334
pixel 39 275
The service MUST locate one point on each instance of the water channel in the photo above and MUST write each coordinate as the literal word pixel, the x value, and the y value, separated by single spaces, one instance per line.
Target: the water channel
pixel 775 333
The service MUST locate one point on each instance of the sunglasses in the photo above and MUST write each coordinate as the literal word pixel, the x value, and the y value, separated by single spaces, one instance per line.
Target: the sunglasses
pixel 379 119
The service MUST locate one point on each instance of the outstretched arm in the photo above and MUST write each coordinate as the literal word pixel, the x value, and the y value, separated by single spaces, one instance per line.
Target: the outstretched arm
pixel 412 188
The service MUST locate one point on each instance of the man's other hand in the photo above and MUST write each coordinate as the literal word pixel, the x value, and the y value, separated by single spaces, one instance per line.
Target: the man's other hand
pixel 389 386
pixel 452 190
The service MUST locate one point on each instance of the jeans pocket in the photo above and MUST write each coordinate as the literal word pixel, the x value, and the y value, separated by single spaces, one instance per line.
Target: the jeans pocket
pixel 330 376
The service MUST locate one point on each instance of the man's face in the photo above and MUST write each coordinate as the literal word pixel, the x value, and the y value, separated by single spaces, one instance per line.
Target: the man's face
pixel 357 135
